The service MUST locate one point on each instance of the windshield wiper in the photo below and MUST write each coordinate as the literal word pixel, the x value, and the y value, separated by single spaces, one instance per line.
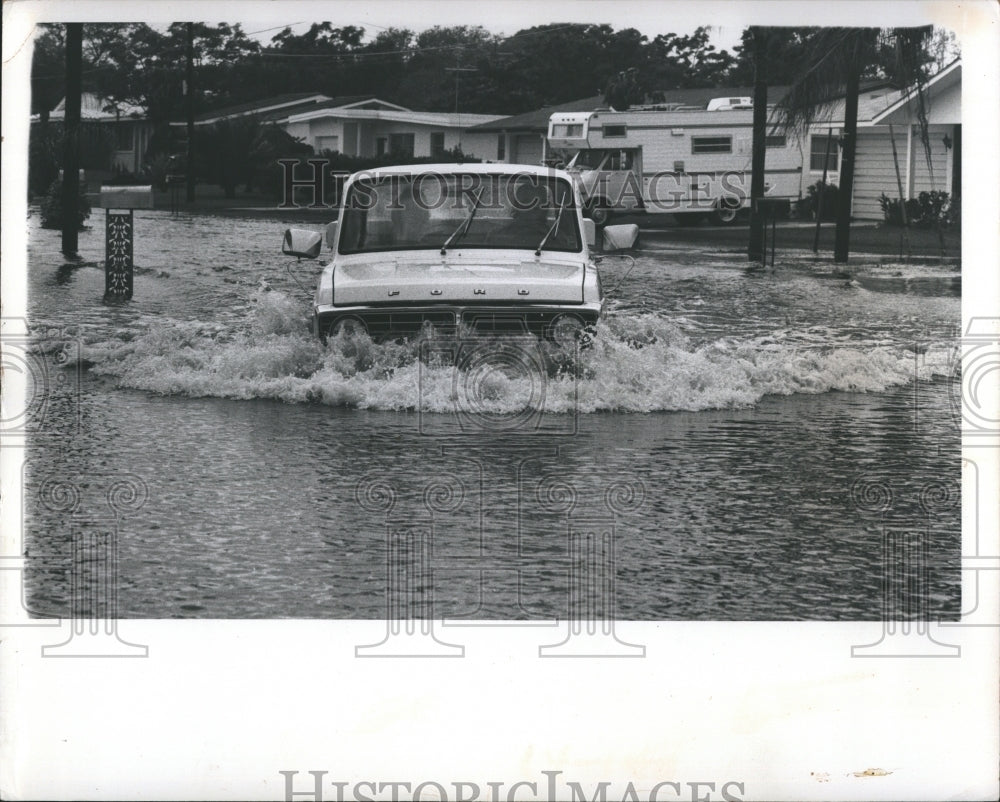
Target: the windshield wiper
pixel 553 227
pixel 464 227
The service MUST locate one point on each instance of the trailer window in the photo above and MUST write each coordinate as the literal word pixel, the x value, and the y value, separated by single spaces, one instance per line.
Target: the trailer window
pixel 567 130
pixel 711 144
pixel 614 130
pixel 776 141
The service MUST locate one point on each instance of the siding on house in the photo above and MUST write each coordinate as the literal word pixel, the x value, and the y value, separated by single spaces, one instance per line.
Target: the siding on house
pixel 350 133
pixel 476 145
pixel 875 172
pixel 528 149
pixel 925 180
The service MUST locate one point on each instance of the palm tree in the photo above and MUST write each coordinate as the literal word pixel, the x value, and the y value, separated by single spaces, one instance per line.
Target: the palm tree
pixel 833 65
pixel 759 38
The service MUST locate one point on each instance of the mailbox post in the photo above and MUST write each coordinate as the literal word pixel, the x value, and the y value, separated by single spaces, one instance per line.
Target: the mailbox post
pixel 119 204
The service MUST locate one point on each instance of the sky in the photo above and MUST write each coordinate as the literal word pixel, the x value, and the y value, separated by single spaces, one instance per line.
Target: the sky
pixel 727 18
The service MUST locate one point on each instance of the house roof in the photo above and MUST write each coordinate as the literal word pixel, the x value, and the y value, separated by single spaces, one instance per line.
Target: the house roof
pixel 538 120
pixel 435 118
pixel 353 101
pixel 871 103
pixel 283 107
pixel 93 107
pixel 699 97
pixel 900 110
pixel 271 108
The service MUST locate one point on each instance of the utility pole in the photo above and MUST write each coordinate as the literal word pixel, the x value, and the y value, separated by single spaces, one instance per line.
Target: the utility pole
pixel 189 92
pixel 755 250
pixel 458 72
pixel 458 69
pixel 842 236
pixel 71 140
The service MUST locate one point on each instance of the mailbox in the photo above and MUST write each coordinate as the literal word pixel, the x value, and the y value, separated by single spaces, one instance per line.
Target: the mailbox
pixel 126 197
pixel 119 226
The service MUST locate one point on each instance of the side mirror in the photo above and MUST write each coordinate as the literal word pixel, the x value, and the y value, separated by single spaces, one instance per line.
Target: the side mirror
pixel 302 243
pixel 330 235
pixel 589 232
pixel 620 238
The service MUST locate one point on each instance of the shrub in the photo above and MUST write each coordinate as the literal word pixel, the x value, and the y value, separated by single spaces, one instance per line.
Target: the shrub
pixel 45 152
pixel 52 211
pixel 807 206
pixel 891 210
pixel 932 207
pixel 953 214
pixel 157 168
pixel 927 210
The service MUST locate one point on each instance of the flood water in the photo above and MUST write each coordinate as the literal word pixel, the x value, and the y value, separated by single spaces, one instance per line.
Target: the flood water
pixel 740 440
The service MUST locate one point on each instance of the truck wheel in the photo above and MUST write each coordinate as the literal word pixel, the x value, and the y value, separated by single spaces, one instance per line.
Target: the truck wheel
pixel 598 211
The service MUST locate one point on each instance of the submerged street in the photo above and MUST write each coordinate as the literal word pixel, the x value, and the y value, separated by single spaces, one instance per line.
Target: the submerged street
pixel 731 429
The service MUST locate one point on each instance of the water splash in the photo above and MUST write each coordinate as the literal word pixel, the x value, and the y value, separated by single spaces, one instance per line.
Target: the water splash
pixel 636 363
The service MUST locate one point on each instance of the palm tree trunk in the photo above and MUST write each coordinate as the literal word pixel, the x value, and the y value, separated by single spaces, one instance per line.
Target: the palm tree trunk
pixel 842 236
pixel 755 249
pixel 71 139
pixel 189 109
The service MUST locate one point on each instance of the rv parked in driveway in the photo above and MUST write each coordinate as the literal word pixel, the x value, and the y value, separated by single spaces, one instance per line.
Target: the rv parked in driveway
pixel 676 160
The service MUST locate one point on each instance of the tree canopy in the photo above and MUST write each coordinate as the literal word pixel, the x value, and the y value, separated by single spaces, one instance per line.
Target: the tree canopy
pixel 534 67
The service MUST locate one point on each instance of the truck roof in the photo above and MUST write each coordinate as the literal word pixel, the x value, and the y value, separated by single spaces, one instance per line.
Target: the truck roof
pixel 476 168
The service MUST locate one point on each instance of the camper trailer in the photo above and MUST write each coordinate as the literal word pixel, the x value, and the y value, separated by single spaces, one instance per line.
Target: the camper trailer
pixel 673 160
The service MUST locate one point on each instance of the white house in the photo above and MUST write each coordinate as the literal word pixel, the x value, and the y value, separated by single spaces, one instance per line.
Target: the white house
pixel 888 116
pixel 377 128
pixel 363 125
pixel 126 122
pixel 875 165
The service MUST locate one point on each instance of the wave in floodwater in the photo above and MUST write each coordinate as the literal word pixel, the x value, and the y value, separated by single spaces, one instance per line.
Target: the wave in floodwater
pixel 636 363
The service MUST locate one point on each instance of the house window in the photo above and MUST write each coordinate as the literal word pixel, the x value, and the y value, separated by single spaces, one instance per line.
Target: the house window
pixel 501 147
pixel 401 144
pixel 437 143
pixel 380 144
pixel 776 141
pixel 818 151
pixel 614 130
pixel 123 136
pixel 331 143
pixel 711 144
